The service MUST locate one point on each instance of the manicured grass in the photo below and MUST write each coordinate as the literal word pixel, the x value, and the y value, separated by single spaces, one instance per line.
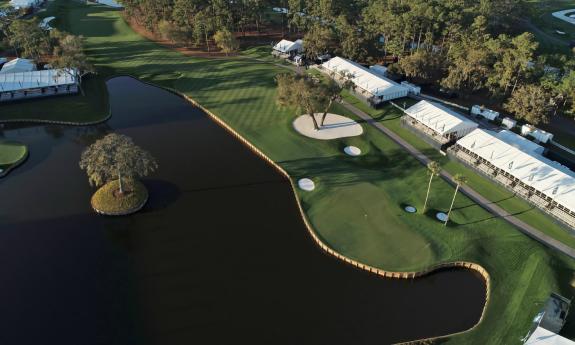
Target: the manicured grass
pixel 357 207
pixel 108 201
pixel 11 153
pixel 540 15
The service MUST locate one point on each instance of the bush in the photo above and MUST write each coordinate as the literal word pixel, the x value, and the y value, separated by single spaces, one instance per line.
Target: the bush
pixel 107 200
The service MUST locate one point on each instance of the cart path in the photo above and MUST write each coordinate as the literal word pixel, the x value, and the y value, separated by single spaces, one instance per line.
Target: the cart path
pixel 466 190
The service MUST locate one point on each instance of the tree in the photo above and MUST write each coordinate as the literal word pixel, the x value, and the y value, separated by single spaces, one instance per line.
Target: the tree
pixel 332 91
pixel 226 41
pixel 433 168
pixel 529 102
pixel 28 39
pixel 116 156
pixel 68 54
pixel 301 93
pixel 459 180
pixel 316 41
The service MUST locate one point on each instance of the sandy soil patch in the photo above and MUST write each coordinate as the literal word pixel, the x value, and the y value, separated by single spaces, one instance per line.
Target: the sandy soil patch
pixel 335 127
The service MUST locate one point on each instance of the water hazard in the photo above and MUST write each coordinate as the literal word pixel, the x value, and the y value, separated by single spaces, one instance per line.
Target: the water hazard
pixel 218 256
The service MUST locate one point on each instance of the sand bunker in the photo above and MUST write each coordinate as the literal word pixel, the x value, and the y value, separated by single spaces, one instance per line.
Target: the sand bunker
pixel 335 127
pixel 306 184
pixel 352 151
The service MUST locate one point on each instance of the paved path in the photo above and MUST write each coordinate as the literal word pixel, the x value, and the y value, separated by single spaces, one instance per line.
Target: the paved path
pixel 469 192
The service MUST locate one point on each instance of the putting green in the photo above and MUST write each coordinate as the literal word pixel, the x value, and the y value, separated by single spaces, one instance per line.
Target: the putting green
pixel 11 153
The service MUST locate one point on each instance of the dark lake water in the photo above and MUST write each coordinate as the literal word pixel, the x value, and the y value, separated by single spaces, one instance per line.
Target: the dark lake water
pixel 218 256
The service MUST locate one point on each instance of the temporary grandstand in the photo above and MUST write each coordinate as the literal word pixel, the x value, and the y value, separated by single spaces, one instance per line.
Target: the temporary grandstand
pixel 437 122
pixel 520 167
pixel 34 84
pixel 373 87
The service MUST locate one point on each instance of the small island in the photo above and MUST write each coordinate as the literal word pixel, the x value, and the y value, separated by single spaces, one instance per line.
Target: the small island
pixel 12 154
pixel 114 163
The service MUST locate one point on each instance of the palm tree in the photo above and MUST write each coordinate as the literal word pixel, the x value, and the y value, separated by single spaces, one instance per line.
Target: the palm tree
pixel 459 180
pixel 433 169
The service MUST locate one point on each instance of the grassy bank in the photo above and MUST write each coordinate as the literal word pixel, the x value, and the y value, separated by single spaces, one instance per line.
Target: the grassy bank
pixel 11 154
pixel 357 207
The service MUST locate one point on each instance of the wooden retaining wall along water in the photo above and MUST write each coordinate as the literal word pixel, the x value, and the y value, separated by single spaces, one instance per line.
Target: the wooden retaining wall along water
pixel 383 273
pixel 378 271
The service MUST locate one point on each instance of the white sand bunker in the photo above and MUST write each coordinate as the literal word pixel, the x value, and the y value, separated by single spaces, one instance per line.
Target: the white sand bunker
pixel 441 216
pixel 352 151
pixel 306 184
pixel 334 127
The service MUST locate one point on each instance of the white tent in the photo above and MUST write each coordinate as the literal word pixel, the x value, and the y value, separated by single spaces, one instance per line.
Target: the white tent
pixel 543 175
pixel 541 336
pixel 287 47
pixel 376 85
pixel 24 3
pixel 440 119
pixel 10 82
pixel 520 142
pixel 18 65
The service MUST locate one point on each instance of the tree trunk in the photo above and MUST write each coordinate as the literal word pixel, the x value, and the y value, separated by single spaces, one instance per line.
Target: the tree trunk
pixel 451 207
pixel 120 183
pixel 315 125
pixel 324 116
pixel 427 195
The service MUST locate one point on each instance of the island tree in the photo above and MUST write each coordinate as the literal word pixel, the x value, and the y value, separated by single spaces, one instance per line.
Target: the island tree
pixel 116 157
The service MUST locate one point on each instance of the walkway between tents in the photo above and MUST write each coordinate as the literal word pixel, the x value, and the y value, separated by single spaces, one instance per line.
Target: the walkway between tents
pixel 468 191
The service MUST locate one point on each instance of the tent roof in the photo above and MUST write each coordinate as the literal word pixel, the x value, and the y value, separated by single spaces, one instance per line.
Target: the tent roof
pixel 23 3
pixel 18 65
pixel 439 118
pixel 35 79
pixel 286 46
pixel 541 336
pixel 520 142
pixel 550 178
pixel 368 80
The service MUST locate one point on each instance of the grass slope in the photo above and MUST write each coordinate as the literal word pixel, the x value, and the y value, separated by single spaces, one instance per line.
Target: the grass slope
pixel 357 206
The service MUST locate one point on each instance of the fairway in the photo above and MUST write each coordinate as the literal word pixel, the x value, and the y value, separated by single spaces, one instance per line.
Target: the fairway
pixel 357 207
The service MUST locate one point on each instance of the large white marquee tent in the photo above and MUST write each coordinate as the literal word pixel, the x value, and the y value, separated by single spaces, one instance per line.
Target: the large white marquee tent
pixel 289 47
pixel 18 65
pixel 369 81
pixel 541 336
pixel 554 181
pixel 440 119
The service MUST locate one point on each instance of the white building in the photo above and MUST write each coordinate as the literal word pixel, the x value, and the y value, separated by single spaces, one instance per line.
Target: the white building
pixel 285 47
pixel 24 3
pixel 438 121
pixel 373 87
pixel 541 336
pixel 519 166
pixel 413 89
pixel 484 112
pixel 24 85
pixel 509 123
pixel 18 65
pixel 379 69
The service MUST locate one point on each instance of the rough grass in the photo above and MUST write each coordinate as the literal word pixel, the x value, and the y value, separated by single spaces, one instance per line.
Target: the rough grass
pixel 540 15
pixel 11 153
pixel 107 200
pixel 356 208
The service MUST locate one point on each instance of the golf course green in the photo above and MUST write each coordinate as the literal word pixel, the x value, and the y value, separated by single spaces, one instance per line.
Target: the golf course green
pixel 357 206
pixel 11 155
